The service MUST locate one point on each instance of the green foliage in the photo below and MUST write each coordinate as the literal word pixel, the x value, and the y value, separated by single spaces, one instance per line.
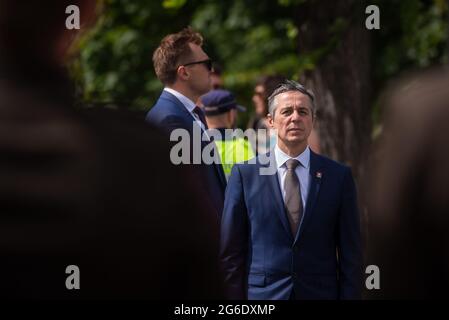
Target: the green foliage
pixel 173 4
pixel 114 63
pixel 414 34
pixel 247 37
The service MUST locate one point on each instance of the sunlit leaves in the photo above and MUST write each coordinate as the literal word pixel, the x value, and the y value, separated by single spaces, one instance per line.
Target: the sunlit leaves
pixel 173 4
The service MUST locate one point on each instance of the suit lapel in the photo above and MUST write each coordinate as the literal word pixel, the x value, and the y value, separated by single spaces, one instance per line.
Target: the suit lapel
pixel 316 176
pixel 191 120
pixel 180 106
pixel 273 182
pixel 221 175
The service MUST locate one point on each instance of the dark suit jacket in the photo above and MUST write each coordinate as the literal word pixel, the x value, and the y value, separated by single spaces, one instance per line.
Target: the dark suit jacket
pixel 93 189
pixel 261 258
pixel 169 114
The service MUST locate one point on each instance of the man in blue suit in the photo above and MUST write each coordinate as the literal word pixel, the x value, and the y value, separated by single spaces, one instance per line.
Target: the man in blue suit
pixel 185 70
pixel 290 226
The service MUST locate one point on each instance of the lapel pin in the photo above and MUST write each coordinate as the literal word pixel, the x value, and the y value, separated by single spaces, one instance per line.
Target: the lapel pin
pixel 319 174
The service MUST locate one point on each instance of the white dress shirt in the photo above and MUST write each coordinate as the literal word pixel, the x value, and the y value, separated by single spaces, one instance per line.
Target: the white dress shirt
pixel 188 104
pixel 302 171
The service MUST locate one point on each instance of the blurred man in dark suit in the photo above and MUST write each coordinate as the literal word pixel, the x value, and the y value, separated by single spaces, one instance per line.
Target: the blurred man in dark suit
pixel 409 192
pixel 290 227
pixel 85 188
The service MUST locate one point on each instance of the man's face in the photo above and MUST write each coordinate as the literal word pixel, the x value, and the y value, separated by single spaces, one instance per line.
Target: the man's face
pixel 216 80
pixel 293 118
pixel 200 76
pixel 232 118
pixel 260 104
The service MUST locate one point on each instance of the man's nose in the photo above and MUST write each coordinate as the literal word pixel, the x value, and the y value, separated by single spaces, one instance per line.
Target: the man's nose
pixel 295 116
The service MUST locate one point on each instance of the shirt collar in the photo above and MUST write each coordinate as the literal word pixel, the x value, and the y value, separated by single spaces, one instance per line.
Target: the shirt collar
pixel 281 157
pixel 189 104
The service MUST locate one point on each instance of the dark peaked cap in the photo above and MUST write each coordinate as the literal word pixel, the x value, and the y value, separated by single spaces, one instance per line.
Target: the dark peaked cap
pixel 219 101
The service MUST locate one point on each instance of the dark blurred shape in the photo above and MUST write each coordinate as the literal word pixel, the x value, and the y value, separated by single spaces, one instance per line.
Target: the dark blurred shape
pixel 409 192
pixel 92 188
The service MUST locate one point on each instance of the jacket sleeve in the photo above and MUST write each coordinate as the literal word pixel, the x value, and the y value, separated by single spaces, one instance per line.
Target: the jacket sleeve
pixel 349 242
pixel 234 238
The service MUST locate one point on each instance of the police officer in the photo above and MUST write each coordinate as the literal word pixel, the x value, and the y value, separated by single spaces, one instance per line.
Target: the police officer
pixel 220 108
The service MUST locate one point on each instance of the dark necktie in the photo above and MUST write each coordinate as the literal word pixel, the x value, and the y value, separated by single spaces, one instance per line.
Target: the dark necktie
pixel 293 201
pixel 200 114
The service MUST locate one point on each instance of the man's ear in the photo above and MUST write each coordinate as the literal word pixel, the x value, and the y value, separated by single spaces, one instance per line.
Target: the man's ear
pixel 229 118
pixel 182 73
pixel 232 117
pixel 270 120
pixel 313 119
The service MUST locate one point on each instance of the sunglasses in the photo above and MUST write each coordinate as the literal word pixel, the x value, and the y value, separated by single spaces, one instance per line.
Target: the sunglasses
pixel 208 63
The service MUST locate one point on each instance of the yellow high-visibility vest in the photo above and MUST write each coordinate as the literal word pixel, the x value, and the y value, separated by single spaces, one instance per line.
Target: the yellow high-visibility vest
pixel 233 151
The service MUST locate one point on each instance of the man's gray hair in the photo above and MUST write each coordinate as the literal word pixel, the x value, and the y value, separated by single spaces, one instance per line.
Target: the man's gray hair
pixel 285 86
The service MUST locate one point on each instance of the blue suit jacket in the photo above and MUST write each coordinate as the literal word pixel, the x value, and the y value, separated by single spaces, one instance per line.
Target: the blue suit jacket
pixel 169 114
pixel 263 260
